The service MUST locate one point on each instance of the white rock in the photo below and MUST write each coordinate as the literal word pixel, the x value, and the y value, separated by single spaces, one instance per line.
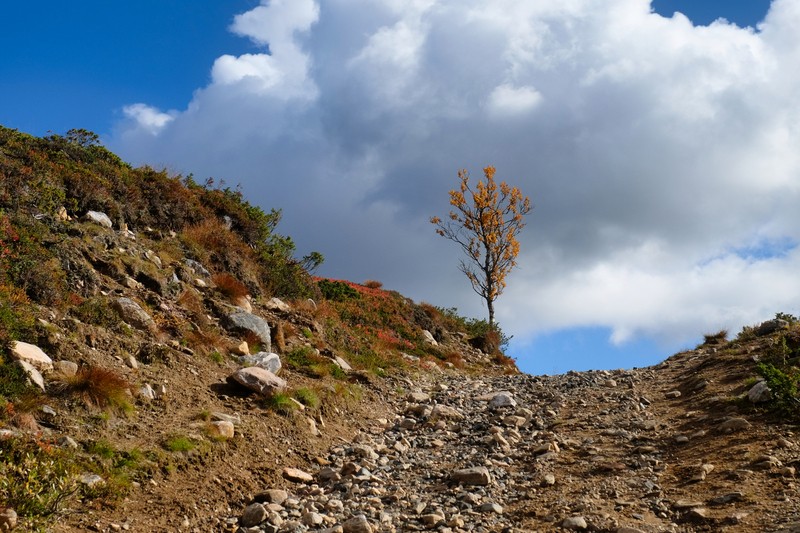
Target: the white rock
pixel 98 218
pixel 276 304
pixel 22 351
pixel 266 360
pixel 33 374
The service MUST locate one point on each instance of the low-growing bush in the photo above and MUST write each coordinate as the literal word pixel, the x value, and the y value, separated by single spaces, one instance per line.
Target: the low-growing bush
pixel 36 479
pixel 784 383
pixel 337 291
pixel 372 284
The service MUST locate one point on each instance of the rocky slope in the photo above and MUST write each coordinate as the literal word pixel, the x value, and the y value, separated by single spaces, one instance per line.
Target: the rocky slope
pixel 162 368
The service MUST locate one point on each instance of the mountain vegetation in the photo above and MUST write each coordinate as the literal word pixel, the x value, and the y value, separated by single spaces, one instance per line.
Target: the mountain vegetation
pixel 127 278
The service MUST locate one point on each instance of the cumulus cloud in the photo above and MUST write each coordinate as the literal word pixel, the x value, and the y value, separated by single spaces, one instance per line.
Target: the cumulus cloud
pixel 655 152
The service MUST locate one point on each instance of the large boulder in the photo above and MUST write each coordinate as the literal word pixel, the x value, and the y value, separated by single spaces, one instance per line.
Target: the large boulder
pixel 32 354
pixel 133 314
pixel 258 380
pixel 244 322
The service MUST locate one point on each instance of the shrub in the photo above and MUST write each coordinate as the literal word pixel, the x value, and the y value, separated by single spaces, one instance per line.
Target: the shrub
pixel 96 311
pixel 35 479
pixel 372 284
pixel 16 319
pixel 13 381
pixel 98 387
pixel 784 386
pixel 337 291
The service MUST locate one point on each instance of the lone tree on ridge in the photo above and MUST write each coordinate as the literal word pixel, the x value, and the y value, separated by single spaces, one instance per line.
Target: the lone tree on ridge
pixel 485 223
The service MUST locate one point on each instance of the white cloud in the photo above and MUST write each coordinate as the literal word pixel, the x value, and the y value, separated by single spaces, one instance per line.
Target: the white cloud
pixel 653 150
pixel 147 118
pixel 507 101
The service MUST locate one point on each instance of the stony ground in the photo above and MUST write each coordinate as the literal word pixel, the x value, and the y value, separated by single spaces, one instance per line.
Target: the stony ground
pixel 659 449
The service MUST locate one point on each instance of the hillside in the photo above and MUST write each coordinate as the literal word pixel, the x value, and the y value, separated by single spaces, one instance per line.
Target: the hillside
pixel 183 371
pixel 144 291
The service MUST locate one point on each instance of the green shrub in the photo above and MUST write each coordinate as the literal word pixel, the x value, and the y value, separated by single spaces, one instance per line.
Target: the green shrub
pixel 337 291
pixel 13 381
pixel 35 480
pixel 784 386
pixel 96 311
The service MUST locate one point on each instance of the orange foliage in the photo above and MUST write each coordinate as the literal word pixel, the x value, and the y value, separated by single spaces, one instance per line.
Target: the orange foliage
pixel 485 222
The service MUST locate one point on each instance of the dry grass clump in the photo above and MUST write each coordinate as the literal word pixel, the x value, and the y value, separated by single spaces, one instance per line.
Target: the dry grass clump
pixel 715 338
pixel 98 387
pixel 372 284
pixel 230 286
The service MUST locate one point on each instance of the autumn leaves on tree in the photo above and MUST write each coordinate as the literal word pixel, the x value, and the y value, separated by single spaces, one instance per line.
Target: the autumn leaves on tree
pixel 485 222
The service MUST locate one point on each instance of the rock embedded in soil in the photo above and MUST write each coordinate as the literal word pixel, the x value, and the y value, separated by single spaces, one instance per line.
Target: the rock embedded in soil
pixel 478 475
pixel 133 314
pixel 266 360
pixel 259 380
pixel 244 322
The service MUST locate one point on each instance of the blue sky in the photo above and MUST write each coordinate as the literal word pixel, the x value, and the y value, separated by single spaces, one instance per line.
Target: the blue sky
pixel 659 151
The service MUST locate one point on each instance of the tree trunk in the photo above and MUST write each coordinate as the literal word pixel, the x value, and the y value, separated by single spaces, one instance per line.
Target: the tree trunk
pixel 490 306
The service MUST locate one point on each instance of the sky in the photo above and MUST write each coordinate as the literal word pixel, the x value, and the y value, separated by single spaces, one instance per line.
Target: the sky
pixel 656 140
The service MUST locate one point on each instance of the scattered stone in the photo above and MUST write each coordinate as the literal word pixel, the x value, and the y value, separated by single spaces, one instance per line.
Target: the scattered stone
pixel 478 475
pixel 259 380
pixel 34 376
pixel 146 392
pixel 726 498
pixel 133 314
pixel 357 524
pixel 428 336
pixel 734 424
pixel 90 480
pixel 253 514
pixel 221 429
pixel 574 523
pixel 673 394
pixel 8 519
pixel 276 304
pixel 502 399
pixel 65 368
pixel 296 475
pixel 771 326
